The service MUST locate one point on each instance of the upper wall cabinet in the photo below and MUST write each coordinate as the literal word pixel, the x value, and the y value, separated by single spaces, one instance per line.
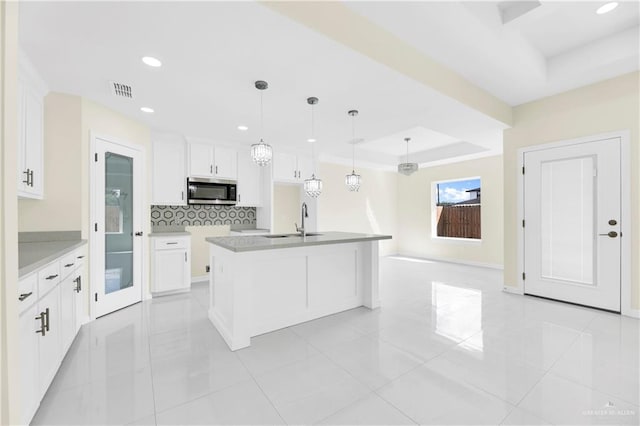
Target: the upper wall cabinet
pixel 291 168
pixel 169 171
pixel 209 161
pixel 249 193
pixel 31 92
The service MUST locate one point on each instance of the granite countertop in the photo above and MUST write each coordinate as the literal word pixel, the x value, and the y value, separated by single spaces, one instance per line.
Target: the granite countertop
pixel 34 255
pixel 170 234
pixel 254 243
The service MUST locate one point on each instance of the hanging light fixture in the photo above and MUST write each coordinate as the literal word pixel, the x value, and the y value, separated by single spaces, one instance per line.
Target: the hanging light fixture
pixel 353 180
pixel 407 168
pixel 261 153
pixel 313 186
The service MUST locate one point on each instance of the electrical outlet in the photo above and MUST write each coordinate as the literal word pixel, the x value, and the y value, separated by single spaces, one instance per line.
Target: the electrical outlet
pixel 207 268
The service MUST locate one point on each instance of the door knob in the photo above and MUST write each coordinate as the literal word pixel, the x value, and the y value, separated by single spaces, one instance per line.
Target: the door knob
pixel 610 234
pixel 138 234
pixel 613 222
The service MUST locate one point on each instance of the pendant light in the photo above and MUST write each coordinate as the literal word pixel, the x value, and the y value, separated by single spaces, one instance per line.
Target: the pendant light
pixel 261 153
pixel 407 168
pixel 313 186
pixel 353 180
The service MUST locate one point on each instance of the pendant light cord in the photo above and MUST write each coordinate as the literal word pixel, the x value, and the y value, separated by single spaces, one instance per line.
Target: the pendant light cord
pixel 313 151
pixel 261 116
pixel 353 144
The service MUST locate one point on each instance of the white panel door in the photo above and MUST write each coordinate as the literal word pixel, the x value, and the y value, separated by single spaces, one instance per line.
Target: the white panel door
pixel 225 163
pixel 201 160
pixel 169 175
pixel 572 208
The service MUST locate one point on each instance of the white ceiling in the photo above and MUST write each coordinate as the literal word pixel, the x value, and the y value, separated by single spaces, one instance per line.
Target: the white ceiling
pixel 213 52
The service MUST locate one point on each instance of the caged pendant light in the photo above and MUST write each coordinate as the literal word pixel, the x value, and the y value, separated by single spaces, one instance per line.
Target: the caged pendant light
pixel 407 168
pixel 353 180
pixel 313 186
pixel 261 153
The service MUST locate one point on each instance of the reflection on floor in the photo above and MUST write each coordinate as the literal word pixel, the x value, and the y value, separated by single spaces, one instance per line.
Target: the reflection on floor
pixel 447 347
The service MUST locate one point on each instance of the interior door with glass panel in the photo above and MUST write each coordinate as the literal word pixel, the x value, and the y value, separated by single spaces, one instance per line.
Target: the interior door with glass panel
pixel 572 206
pixel 117 227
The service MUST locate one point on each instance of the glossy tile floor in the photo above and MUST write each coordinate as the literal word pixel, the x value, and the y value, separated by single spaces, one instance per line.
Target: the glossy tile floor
pixel 448 347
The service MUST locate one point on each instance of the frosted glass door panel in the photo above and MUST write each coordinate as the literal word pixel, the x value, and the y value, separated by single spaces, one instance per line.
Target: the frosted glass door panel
pixel 118 222
pixel 567 220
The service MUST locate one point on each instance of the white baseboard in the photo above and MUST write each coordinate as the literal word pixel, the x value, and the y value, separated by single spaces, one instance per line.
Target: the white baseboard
pixel 633 313
pixel 200 278
pixel 512 289
pixel 449 260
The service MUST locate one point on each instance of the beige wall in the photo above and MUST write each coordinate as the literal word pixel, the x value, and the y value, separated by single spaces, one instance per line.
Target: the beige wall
pixel 286 208
pixel 603 107
pixel 62 178
pixel 415 209
pixel 373 209
pixel 200 248
pixel 9 356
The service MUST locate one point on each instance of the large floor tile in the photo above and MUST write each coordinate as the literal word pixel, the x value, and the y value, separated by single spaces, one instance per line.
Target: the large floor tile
pixel 183 378
pixel 326 332
pixel 560 401
pixel 524 418
pixel 370 410
pixel 310 390
pixel 118 399
pixel 242 404
pixel 424 344
pixel 373 361
pixel 274 350
pixel 430 397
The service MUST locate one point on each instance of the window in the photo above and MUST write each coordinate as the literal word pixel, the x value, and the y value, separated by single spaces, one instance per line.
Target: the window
pixel 456 209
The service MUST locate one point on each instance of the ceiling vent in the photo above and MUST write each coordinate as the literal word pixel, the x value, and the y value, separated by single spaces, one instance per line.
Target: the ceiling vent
pixel 120 90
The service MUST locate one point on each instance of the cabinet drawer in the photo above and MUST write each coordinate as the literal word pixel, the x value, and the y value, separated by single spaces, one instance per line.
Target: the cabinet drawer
pixel 80 256
pixel 48 278
pixel 27 292
pixel 68 264
pixel 170 243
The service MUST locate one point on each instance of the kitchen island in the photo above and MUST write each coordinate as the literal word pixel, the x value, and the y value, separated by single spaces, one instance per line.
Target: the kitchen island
pixel 260 284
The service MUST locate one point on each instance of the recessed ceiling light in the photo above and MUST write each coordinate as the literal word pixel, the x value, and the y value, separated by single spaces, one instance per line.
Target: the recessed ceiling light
pixel 607 7
pixel 243 128
pixel 146 109
pixel 311 140
pixel 151 61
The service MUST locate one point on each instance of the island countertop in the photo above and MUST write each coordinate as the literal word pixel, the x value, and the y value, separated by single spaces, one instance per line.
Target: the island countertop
pixel 255 243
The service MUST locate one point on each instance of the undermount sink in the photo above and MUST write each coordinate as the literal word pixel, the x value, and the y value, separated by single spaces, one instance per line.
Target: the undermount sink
pixel 309 234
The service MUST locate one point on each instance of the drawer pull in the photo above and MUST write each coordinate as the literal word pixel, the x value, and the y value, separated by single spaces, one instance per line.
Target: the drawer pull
pixel 43 329
pixel 175 242
pixel 24 296
pixel 80 257
pixel 68 265
pixel 50 277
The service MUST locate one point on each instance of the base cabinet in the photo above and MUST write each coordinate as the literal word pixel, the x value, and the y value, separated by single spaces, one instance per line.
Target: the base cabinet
pixel 50 343
pixel 29 362
pixel 171 264
pixel 67 312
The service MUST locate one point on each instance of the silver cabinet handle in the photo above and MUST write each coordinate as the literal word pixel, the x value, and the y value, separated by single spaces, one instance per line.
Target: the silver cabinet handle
pixel 26 172
pixel 31 178
pixel 46 311
pixel 23 296
pixel 182 195
pixel 216 169
pixel 185 256
pixel 68 265
pixel 80 257
pixel 50 277
pixel 78 282
pixel 211 169
pixel 42 319
pixel 172 242
pixel 239 197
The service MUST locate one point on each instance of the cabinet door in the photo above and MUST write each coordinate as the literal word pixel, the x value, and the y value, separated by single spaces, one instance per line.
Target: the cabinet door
pixel 30 386
pixel 285 167
pixel 30 151
pixel 249 183
pixel 305 167
pixel 172 270
pixel 200 160
pixel 67 311
pixel 80 298
pixel 225 163
pixel 169 176
pixel 50 351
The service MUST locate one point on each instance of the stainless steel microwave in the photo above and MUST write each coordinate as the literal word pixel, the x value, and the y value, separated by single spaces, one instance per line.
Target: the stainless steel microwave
pixel 211 191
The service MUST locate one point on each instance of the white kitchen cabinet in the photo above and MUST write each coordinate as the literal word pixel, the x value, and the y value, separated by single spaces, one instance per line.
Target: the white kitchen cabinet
pixel 249 182
pixel 209 161
pixel 49 349
pixel 67 311
pixel 80 297
pixel 30 141
pixel 291 168
pixel 201 160
pixel 169 173
pixel 30 387
pixel 171 264
pixel 225 163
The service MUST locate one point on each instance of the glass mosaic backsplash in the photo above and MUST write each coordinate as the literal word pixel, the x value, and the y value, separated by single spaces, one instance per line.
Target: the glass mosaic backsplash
pixel 194 215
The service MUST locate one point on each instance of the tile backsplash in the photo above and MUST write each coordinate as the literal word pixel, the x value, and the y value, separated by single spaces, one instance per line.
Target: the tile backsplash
pixel 194 215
